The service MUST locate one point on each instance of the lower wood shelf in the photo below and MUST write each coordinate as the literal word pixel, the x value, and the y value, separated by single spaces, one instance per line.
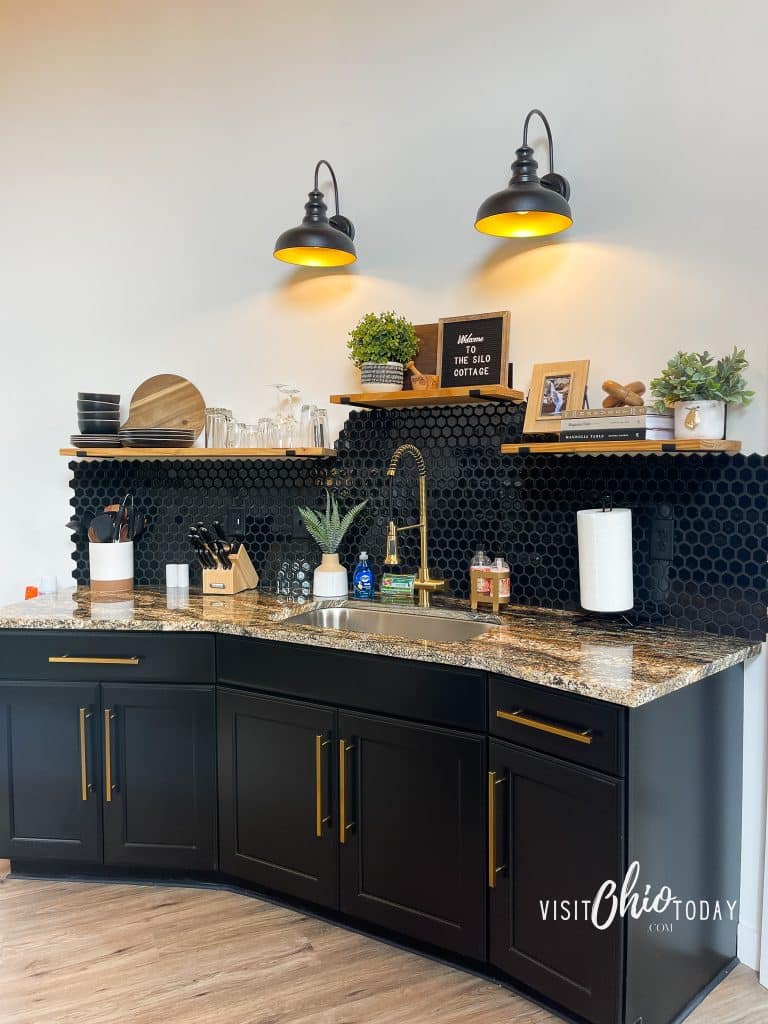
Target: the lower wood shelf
pixel 198 453
pixel 434 396
pixel 618 447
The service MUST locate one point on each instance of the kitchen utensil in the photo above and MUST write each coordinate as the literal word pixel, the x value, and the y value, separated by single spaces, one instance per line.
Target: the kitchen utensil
pixel 102 525
pixel 119 518
pixel 167 400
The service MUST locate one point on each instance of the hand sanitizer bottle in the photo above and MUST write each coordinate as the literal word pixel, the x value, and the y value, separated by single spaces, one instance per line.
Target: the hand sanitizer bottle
pixel 362 578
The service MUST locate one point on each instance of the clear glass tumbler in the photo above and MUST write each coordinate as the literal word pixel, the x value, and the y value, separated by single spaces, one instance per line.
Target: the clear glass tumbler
pixel 320 424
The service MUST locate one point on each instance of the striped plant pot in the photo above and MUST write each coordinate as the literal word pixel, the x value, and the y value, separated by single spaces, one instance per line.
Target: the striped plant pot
pixel 381 376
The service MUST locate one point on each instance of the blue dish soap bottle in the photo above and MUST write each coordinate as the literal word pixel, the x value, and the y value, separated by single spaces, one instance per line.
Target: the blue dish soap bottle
pixel 362 578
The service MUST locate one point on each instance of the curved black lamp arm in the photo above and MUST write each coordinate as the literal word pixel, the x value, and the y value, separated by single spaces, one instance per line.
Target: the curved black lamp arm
pixel 525 136
pixel 333 179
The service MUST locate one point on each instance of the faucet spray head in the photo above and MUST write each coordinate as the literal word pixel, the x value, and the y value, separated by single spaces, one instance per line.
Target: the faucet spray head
pixel 392 557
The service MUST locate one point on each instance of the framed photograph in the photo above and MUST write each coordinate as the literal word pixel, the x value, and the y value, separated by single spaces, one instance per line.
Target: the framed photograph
pixel 473 349
pixel 556 388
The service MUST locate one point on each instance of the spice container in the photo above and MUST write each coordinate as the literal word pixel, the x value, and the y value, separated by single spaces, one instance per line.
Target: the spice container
pixel 490 584
pixel 479 581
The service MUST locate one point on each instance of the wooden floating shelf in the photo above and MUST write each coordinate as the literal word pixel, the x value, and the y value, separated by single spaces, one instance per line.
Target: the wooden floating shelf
pixel 198 453
pixel 618 447
pixel 435 396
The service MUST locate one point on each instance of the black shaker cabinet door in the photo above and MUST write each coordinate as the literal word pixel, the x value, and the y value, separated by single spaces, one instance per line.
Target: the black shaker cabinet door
pixel 276 794
pixel 49 772
pixel 557 837
pixel 412 818
pixel 159 752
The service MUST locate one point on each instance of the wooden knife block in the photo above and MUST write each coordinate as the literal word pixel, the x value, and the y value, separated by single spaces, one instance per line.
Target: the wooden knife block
pixel 242 576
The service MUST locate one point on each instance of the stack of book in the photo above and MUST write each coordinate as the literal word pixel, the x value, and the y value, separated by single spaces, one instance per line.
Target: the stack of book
pixel 622 423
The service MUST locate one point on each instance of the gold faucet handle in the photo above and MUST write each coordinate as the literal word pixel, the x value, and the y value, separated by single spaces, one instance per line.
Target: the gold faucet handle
pixel 428 584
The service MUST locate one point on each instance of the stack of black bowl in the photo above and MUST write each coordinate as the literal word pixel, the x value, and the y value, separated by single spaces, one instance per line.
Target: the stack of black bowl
pixel 98 417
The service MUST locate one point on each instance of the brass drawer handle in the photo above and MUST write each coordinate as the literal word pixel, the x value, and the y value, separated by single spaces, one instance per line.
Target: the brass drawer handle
pixel 84 787
pixel 583 736
pixel 320 820
pixel 493 868
pixel 108 787
pixel 343 826
pixel 68 659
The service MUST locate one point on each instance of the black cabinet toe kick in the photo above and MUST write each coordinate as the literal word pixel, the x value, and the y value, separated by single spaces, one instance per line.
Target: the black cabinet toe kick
pixel 435 808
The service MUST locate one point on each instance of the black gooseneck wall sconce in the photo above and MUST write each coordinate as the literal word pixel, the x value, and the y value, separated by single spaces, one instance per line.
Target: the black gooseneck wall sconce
pixel 319 241
pixel 529 206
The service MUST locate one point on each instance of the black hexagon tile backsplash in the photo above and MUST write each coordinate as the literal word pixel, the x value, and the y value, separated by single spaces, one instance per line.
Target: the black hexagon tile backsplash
pixel 520 507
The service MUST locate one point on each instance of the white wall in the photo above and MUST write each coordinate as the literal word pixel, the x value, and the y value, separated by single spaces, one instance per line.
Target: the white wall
pixel 152 152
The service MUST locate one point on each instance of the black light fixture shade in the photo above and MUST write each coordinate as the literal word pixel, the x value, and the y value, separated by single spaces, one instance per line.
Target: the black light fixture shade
pixel 319 241
pixel 529 206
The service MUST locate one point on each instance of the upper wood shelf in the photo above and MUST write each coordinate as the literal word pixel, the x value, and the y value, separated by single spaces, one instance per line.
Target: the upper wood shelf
pixel 435 396
pixel 198 453
pixel 618 447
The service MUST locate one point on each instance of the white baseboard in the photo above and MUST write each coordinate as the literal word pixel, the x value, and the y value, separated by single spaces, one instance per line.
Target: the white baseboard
pixel 748 946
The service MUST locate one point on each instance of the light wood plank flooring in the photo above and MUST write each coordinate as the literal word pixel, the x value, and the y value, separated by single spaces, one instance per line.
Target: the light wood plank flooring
pixel 86 953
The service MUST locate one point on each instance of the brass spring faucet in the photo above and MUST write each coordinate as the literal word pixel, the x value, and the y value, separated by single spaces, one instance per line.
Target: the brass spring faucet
pixel 424 582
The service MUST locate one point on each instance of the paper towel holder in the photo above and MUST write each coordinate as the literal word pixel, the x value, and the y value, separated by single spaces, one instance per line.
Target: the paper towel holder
pixel 602 601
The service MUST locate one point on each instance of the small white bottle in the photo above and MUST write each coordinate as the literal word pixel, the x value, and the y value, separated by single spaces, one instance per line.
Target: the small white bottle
pixel 500 568
pixel 481 561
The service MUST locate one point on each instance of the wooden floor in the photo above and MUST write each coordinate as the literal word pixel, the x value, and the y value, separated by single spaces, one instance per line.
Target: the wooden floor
pixel 83 953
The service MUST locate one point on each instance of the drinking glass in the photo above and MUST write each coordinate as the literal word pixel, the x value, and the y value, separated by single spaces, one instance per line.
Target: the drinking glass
pixel 235 434
pixel 216 427
pixel 262 432
pixel 306 428
pixel 250 438
pixel 320 425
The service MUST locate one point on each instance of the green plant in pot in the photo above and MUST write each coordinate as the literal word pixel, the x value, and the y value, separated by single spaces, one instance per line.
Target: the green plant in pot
pixel 698 389
pixel 327 529
pixel 381 346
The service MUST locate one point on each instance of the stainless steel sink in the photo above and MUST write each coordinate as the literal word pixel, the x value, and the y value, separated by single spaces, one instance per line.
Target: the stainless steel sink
pixel 385 622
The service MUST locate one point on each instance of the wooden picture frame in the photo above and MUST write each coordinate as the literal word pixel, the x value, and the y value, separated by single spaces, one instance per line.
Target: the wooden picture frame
pixel 556 388
pixel 482 340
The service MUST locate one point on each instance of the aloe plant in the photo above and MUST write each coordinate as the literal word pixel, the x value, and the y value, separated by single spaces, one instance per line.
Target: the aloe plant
pixel 327 528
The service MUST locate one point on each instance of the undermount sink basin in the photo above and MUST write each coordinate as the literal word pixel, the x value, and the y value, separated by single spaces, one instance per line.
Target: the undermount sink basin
pixel 411 625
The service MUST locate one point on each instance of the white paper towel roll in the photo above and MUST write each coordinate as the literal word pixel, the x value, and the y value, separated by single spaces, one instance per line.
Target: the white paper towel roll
pixel 605 559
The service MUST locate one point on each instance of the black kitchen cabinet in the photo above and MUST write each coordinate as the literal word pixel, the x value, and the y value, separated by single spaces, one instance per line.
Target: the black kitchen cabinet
pixel 411 830
pixel 159 804
pixel 277 786
pixel 555 836
pixel 49 793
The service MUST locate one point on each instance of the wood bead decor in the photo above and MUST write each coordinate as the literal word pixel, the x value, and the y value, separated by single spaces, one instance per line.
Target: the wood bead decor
pixel 623 394
pixel 242 576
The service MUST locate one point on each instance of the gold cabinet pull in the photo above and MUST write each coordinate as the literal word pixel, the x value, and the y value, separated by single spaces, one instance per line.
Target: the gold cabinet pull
pixel 493 868
pixel 108 716
pixel 319 819
pixel 69 659
pixel 343 826
pixel 582 736
pixel 84 788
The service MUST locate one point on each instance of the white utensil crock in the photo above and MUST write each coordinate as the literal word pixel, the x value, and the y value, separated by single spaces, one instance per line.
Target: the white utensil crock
pixel 111 567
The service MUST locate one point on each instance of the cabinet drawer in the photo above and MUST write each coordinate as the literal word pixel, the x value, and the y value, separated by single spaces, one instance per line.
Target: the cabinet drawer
pixel 94 656
pixel 416 690
pixel 584 731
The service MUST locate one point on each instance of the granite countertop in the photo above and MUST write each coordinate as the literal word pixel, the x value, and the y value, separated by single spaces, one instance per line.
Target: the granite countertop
pixel 622 664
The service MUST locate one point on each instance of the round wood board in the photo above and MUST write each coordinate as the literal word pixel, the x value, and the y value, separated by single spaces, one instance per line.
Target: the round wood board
pixel 167 401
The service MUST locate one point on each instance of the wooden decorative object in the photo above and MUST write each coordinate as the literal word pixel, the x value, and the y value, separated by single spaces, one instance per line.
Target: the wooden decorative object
pixel 623 394
pixel 473 349
pixel 426 357
pixel 492 598
pixel 167 401
pixel 421 381
pixel 242 576
pixel 556 389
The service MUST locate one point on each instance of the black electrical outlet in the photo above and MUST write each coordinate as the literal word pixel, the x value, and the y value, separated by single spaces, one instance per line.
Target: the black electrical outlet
pixel 663 538
pixel 298 529
pixel 235 521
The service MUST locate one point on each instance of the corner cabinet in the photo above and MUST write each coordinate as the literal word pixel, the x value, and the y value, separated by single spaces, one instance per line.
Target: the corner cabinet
pixel 473 816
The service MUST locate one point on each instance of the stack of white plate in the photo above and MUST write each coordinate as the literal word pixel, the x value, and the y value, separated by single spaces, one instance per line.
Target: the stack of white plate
pixel 156 437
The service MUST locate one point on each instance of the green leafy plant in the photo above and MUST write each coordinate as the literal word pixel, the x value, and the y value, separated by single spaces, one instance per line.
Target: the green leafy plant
pixel 692 376
pixel 328 528
pixel 382 338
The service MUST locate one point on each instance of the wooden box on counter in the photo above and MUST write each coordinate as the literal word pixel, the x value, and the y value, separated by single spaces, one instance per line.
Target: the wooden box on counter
pixel 242 576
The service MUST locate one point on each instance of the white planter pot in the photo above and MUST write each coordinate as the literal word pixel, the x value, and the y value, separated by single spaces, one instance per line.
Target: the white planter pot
pixel 702 420
pixel 381 377
pixel 330 578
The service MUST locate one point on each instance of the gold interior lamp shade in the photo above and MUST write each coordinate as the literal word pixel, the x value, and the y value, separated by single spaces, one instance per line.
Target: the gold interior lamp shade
pixel 319 241
pixel 529 206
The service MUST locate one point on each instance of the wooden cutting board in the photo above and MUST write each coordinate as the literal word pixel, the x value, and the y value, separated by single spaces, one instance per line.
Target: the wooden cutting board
pixel 167 401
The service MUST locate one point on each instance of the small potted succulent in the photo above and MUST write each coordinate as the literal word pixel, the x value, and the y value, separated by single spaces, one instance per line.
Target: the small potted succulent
pixel 698 389
pixel 381 345
pixel 327 529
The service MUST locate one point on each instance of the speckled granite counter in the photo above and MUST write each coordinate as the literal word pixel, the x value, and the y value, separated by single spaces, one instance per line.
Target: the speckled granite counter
pixel 624 665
